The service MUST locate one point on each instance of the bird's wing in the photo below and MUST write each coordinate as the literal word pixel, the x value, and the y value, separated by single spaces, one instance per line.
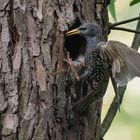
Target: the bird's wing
pixel 125 61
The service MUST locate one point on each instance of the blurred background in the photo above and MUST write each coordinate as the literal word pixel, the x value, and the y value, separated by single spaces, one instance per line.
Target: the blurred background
pixel 126 124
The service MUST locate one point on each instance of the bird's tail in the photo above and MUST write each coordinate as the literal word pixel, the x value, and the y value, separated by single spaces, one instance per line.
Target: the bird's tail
pixel 82 105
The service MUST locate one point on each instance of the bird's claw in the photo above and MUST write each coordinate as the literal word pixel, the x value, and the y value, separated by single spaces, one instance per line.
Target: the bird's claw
pixel 72 66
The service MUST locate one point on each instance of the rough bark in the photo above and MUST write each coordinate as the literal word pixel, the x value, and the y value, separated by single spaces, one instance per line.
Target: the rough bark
pixel 35 91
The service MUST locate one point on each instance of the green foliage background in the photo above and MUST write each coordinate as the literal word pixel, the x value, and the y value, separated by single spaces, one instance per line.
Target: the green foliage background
pixel 126 124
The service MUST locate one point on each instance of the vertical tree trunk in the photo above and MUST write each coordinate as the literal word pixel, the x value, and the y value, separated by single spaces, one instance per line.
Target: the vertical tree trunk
pixel 35 93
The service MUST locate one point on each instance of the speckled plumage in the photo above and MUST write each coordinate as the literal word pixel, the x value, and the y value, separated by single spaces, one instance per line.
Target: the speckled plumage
pixel 96 68
pixel 102 60
pixel 96 72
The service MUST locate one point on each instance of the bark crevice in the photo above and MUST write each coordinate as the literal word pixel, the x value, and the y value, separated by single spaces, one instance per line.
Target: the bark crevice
pixel 37 90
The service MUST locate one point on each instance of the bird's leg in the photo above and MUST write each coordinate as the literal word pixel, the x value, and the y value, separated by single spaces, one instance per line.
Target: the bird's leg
pixel 72 66
pixel 87 72
pixel 81 61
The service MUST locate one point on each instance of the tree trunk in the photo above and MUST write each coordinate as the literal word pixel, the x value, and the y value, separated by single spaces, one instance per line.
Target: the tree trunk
pixel 35 92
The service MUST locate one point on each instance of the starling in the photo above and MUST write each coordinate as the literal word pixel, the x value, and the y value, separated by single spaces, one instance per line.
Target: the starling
pixel 103 60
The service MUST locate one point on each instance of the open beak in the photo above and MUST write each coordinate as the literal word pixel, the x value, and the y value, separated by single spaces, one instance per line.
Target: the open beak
pixel 73 32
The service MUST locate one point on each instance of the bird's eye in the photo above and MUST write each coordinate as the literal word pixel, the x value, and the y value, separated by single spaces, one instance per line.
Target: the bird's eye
pixel 83 28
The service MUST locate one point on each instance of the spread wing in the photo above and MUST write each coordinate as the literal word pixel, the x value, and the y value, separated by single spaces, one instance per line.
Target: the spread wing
pixel 125 61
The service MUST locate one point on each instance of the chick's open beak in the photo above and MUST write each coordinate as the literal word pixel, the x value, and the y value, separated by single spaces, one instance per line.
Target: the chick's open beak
pixel 73 32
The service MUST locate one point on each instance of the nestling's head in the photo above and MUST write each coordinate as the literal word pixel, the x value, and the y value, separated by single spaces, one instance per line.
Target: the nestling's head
pixel 86 29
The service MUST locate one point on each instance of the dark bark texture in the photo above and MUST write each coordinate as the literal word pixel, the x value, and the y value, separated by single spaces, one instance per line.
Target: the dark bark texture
pixel 35 91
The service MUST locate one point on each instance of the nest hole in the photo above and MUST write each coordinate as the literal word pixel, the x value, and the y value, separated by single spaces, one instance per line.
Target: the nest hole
pixel 75 44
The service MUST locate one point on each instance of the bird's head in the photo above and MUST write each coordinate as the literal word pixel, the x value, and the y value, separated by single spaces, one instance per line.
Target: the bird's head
pixel 86 29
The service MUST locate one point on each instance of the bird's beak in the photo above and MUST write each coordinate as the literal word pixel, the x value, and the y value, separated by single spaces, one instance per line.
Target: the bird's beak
pixel 73 32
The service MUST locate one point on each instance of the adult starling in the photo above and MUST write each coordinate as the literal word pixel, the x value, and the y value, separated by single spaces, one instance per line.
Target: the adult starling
pixel 103 60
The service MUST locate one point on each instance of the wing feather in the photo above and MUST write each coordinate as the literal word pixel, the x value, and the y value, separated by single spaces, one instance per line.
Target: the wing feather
pixel 124 60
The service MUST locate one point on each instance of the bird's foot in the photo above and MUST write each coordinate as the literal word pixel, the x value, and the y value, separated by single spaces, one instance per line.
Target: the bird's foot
pixel 72 66
pixel 81 63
